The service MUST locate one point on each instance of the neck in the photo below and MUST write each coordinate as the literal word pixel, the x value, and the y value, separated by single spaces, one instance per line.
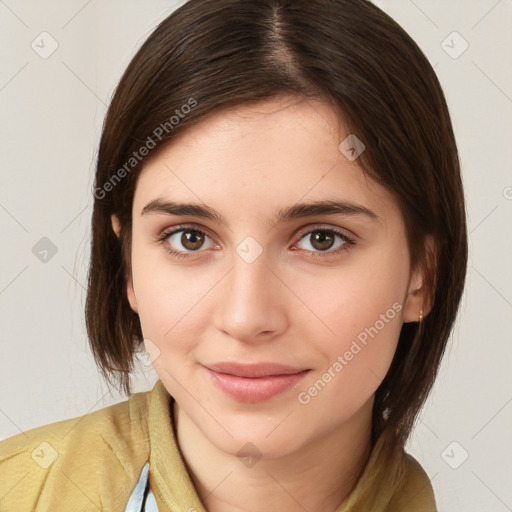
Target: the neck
pixel 317 477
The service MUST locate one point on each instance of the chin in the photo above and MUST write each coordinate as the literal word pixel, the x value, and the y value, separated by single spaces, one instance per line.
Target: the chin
pixel 258 447
pixel 255 436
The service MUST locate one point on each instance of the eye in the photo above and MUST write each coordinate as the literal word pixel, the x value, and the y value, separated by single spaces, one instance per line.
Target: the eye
pixel 322 240
pixel 190 238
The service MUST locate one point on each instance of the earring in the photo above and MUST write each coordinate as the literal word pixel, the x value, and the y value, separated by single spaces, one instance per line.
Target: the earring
pixel 421 315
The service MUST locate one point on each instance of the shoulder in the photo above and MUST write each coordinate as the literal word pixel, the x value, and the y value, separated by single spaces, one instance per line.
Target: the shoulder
pixel 90 458
pixel 414 491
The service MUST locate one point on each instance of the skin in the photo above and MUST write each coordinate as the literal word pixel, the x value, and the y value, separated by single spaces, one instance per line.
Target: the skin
pixel 287 306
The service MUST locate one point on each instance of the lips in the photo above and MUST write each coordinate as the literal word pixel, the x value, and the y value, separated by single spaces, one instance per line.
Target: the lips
pixel 254 370
pixel 254 382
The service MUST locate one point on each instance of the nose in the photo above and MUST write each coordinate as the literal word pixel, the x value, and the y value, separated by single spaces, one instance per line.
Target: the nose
pixel 251 301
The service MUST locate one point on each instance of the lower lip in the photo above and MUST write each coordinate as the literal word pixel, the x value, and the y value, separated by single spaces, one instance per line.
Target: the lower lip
pixel 254 390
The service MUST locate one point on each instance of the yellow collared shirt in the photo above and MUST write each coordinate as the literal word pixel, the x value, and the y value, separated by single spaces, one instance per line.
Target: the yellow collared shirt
pixel 94 462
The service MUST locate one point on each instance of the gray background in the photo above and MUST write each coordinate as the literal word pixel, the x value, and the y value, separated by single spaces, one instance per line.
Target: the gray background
pixel 52 110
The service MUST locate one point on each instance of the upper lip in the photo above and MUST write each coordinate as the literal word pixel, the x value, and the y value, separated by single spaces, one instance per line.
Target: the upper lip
pixel 254 369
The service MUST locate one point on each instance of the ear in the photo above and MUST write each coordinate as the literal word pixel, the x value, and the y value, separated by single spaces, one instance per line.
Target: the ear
pixel 417 298
pixel 116 226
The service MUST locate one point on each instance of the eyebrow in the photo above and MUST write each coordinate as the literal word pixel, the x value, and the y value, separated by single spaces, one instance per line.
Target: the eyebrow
pixel 296 211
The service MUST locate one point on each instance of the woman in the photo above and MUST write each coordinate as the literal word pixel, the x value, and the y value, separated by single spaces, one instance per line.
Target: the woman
pixel 279 220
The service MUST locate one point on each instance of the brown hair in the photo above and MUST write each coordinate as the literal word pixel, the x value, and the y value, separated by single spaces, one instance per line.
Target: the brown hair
pixel 212 54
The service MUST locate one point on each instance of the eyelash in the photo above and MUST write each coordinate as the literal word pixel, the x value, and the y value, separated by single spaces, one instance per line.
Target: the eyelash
pixel 349 242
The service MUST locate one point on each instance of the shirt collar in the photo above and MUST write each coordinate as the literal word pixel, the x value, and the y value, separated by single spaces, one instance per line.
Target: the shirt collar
pixel 169 479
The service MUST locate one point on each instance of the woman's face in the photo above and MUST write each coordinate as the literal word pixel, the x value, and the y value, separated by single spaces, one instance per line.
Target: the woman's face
pixel 268 322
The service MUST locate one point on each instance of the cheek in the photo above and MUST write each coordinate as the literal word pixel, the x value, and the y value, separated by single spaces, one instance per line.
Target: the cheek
pixel 171 299
pixel 354 360
pixel 361 312
pixel 350 298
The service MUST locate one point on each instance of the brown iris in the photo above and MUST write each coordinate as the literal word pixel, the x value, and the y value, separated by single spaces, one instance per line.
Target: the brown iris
pixel 192 240
pixel 322 240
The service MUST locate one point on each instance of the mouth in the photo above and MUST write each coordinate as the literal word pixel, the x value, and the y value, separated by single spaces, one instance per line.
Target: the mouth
pixel 254 383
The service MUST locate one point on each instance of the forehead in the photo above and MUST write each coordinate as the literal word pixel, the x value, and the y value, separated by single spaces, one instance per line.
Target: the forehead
pixel 276 152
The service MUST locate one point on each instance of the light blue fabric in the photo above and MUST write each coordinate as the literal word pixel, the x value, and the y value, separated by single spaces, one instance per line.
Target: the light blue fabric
pixel 142 498
pixel 151 505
